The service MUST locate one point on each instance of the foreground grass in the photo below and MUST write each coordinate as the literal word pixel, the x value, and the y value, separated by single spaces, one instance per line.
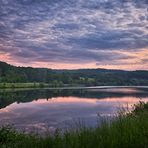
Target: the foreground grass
pixel 126 131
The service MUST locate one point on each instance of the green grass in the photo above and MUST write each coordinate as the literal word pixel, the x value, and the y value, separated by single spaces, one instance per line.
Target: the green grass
pixel 23 85
pixel 126 131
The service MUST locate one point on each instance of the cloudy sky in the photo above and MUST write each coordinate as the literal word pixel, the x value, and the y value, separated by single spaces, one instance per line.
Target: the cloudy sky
pixel 71 34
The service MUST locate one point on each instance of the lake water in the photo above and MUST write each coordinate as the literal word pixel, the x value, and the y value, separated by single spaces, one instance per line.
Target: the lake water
pixel 46 109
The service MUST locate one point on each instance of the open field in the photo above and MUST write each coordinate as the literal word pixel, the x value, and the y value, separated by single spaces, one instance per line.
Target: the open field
pixel 23 85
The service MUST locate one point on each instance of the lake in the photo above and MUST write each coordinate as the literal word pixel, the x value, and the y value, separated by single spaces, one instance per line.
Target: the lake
pixel 42 110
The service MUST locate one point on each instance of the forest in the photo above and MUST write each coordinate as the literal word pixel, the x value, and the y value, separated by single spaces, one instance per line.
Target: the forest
pixel 79 77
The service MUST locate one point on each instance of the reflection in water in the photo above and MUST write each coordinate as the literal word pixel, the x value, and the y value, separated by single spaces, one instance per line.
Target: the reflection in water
pixel 49 109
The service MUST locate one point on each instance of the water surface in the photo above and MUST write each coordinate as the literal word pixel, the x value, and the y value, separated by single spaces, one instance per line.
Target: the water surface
pixel 42 110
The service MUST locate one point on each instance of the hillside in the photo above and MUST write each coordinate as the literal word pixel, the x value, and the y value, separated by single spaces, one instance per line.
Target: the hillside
pixel 87 77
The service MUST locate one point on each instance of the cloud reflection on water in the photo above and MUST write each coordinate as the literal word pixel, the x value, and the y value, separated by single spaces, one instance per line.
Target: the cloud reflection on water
pixel 56 111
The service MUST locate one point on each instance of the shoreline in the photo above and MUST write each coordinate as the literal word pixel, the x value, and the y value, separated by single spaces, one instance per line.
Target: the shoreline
pixel 25 86
pixel 69 88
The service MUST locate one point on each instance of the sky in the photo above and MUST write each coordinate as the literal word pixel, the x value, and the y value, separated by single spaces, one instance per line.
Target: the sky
pixel 74 34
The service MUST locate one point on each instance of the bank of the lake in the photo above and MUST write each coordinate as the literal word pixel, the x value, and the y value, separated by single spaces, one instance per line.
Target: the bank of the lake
pixel 60 86
pixel 26 85
pixel 130 130
pixel 22 85
pixel 36 85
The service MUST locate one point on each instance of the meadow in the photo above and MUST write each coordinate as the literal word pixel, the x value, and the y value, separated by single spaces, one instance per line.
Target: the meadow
pixel 23 85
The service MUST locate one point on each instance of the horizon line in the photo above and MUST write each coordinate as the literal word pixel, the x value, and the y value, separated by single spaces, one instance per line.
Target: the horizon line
pixel 71 69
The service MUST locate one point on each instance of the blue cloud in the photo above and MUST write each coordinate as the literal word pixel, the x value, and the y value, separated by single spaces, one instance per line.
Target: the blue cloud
pixel 73 31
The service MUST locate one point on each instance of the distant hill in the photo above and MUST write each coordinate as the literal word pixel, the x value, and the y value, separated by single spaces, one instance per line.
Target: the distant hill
pixel 86 77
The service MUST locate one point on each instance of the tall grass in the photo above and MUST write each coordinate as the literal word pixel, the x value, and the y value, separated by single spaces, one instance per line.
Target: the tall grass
pixel 126 131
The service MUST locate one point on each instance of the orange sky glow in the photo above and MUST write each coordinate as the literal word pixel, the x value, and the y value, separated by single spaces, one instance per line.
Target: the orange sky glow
pixel 136 62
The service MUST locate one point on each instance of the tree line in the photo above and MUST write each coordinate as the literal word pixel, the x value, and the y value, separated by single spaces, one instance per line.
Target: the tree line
pixel 83 77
